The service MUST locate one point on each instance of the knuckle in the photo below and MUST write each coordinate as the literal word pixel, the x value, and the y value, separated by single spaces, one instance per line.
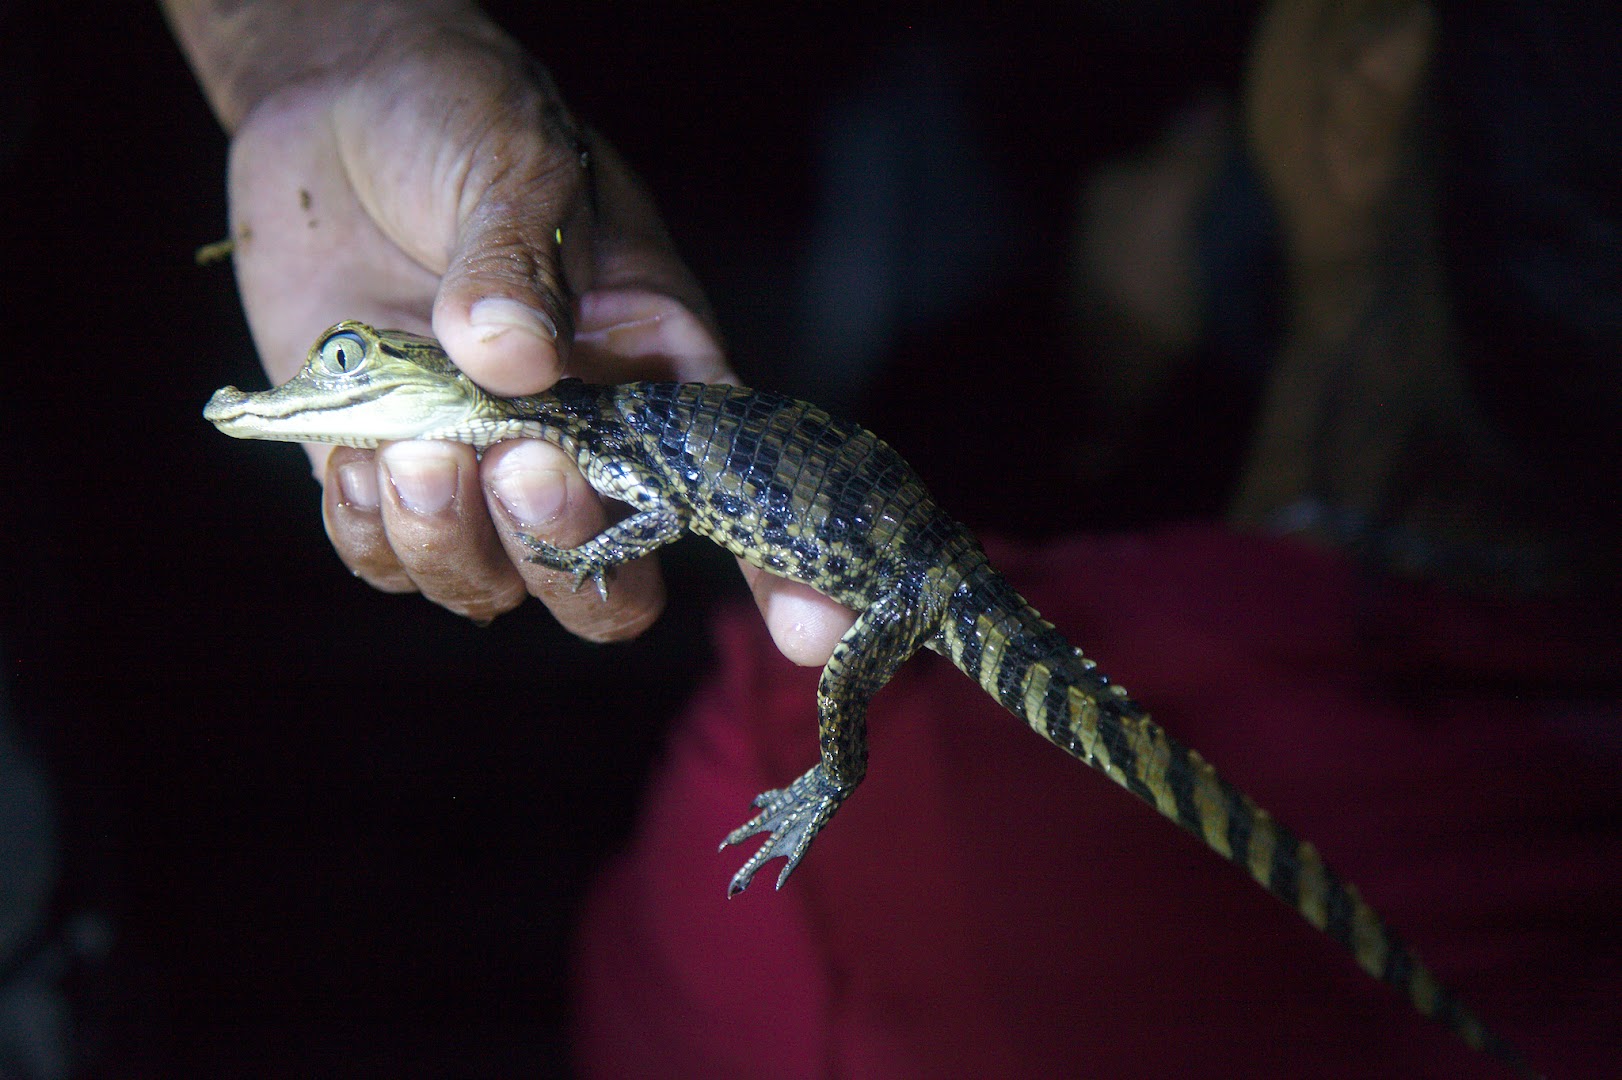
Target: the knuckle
pixel 465 582
pixel 506 253
pixel 476 605
pixel 635 601
pixel 614 622
pixel 389 577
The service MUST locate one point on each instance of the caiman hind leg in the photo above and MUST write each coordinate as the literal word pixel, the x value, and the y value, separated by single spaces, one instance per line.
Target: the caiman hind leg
pixel 884 636
pixel 632 538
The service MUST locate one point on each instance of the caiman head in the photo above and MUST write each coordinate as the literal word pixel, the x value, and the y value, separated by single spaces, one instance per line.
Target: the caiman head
pixel 362 387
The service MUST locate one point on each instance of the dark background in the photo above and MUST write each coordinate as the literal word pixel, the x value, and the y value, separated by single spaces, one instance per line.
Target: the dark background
pixel 331 830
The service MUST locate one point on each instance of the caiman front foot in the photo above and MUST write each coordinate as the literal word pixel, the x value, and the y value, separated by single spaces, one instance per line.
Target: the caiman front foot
pixel 630 538
pixel 568 560
pixel 793 815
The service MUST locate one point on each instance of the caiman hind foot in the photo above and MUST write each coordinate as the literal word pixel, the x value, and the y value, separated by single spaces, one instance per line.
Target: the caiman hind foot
pixel 793 815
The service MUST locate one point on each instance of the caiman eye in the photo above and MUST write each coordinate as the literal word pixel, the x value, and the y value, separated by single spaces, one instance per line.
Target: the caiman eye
pixel 343 353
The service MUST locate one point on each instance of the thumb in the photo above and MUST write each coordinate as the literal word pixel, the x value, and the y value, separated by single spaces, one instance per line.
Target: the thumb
pixel 504 310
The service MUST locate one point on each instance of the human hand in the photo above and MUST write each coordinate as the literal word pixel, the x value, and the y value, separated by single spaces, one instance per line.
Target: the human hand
pixel 429 177
pixel 1329 169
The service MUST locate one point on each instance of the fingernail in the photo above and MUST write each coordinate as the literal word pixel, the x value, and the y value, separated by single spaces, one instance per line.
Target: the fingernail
pixel 495 315
pixel 357 485
pixel 423 475
pixel 532 490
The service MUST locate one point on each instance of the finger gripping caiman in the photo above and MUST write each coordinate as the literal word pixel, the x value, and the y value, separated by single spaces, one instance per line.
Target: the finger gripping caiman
pixel 787 487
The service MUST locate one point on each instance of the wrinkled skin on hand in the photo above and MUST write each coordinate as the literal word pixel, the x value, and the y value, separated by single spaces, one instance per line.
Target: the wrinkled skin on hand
pixel 437 183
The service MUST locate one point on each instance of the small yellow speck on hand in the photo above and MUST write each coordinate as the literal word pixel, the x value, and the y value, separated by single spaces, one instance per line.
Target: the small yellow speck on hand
pixel 558 236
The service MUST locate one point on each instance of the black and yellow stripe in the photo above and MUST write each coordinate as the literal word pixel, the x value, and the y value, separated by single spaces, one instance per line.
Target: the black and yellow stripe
pixel 999 640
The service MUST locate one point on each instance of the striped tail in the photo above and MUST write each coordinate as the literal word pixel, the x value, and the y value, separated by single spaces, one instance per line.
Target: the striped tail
pixel 999 640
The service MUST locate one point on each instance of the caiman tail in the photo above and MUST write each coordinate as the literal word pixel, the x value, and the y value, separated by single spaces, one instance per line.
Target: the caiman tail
pixel 993 635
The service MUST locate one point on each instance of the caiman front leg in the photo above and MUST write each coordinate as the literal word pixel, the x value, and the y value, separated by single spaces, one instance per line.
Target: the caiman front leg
pixel 632 538
pixel 888 632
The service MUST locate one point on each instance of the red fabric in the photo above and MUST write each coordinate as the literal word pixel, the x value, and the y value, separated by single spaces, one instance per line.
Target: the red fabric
pixel 986 906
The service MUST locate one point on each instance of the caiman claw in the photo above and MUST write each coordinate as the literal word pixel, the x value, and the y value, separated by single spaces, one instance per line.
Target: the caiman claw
pixel 793 815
